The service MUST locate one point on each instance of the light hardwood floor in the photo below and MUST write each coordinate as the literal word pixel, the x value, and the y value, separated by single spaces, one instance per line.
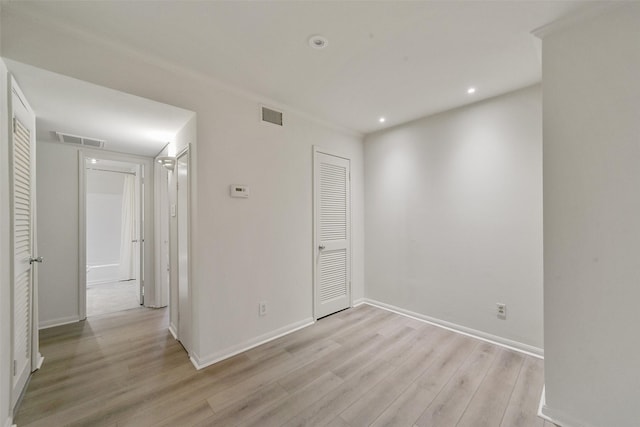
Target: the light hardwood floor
pixel 363 366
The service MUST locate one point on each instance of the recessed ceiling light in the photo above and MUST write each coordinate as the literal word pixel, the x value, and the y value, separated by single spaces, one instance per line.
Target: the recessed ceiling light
pixel 382 119
pixel 471 90
pixel 318 42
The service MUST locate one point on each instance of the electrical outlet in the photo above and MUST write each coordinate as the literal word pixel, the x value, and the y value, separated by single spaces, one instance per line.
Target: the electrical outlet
pixel 501 310
pixel 262 308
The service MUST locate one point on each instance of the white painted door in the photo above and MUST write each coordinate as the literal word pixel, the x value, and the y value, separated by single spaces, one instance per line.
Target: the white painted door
pixel 22 224
pixel 184 290
pixel 332 223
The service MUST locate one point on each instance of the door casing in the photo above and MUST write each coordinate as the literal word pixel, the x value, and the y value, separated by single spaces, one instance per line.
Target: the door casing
pixel 145 211
pixel 183 199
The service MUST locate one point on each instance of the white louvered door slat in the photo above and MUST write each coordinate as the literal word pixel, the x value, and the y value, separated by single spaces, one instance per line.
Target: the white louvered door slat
pixel 333 234
pixel 22 251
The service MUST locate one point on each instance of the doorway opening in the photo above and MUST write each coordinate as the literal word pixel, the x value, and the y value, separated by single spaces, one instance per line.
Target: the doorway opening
pixel 113 227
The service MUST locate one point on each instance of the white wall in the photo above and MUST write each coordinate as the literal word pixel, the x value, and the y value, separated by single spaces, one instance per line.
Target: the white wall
pixel 104 224
pixel 58 228
pixel 5 278
pixel 57 199
pixel 245 251
pixel 454 216
pixel 591 220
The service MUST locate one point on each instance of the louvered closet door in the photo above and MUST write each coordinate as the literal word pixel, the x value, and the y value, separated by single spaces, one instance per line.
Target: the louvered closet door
pixel 22 247
pixel 333 234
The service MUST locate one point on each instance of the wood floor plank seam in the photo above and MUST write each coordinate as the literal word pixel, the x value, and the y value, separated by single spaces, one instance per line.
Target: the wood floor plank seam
pixel 484 370
pixel 432 353
pixel 388 417
pixel 512 390
pixel 496 360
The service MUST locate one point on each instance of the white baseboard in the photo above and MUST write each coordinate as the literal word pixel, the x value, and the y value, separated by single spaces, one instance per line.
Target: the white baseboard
pixel 154 306
pixel 203 362
pixel 58 322
pixel 172 329
pixel 473 333
pixel 358 302
pixel 541 405
pixel 556 417
pixel 102 273
pixel 40 361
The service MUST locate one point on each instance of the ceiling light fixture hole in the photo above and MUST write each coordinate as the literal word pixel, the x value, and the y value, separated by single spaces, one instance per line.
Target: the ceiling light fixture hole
pixel 318 42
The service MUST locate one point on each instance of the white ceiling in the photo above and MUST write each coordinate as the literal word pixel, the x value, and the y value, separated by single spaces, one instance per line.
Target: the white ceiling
pixel 402 60
pixel 128 123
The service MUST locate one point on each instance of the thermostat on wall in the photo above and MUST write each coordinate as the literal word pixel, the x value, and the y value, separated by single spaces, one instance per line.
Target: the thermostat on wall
pixel 239 191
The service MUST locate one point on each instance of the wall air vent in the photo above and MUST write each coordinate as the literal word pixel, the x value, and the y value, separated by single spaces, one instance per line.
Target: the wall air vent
pixel 271 116
pixel 80 140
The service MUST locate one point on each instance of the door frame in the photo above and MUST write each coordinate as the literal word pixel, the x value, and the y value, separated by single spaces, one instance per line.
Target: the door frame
pixel 162 223
pixel 316 241
pixel 186 341
pixel 146 209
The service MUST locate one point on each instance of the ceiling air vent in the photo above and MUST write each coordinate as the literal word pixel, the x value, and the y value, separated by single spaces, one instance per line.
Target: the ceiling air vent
pixel 271 116
pixel 80 140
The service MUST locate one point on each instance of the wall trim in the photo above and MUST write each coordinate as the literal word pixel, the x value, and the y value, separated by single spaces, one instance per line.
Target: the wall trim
pixel 473 333
pixel 40 361
pixel 172 330
pixel 358 302
pixel 100 267
pixel 203 362
pixel 46 324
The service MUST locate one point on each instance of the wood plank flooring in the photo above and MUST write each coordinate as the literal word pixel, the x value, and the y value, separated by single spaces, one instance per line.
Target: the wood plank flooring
pixel 360 367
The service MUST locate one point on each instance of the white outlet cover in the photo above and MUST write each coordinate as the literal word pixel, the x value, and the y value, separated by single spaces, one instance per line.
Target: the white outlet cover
pixel 239 191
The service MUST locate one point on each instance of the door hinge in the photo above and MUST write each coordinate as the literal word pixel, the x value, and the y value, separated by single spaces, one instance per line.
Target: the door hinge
pixel 15 367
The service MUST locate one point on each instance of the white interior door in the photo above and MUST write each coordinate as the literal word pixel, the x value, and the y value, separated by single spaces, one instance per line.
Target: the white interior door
pixel 184 289
pixel 332 200
pixel 22 224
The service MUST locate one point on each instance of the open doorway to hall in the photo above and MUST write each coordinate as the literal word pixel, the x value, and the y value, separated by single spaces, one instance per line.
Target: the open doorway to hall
pixel 113 236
